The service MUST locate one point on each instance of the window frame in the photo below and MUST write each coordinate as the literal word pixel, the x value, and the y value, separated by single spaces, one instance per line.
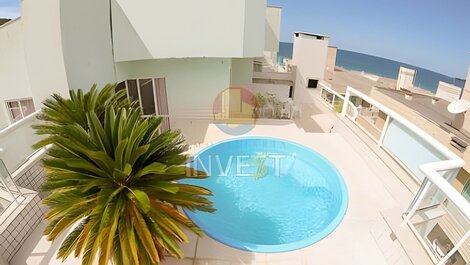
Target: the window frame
pixel 18 100
pixel 165 116
pixel 153 92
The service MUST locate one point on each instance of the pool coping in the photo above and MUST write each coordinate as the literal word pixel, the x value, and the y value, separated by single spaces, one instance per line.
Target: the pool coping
pixel 260 248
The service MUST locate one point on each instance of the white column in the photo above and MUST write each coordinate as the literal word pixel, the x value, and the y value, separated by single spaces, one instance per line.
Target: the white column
pixel 384 131
pixel 417 200
pixel 346 101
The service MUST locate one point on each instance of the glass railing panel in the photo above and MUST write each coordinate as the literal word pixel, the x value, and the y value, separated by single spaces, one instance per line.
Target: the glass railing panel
pixel 409 148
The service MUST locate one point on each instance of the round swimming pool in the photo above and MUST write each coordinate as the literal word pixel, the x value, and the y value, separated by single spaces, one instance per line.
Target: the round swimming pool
pixel 271 195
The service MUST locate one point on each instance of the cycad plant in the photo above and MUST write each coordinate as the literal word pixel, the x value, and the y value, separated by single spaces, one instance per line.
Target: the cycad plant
pixel 112 179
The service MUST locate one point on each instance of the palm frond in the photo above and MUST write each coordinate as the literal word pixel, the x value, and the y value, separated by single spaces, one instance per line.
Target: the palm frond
pixel 114 176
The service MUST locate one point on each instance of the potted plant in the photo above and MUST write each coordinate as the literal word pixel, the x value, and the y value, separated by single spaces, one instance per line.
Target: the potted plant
pixel 259 101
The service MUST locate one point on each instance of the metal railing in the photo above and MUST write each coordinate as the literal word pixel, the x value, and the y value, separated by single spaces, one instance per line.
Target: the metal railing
pixel 416 150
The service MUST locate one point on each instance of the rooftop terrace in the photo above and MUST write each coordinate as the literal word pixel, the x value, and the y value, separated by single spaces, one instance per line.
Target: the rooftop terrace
pixel 385 184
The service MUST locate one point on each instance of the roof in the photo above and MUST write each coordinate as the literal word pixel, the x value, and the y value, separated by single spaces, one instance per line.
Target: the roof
pixel 311 34
pixel 4 20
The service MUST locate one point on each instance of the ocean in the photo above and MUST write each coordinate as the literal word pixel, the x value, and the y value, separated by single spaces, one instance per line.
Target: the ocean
pixel 350 60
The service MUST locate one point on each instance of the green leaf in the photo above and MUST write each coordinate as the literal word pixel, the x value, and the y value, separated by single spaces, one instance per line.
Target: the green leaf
pixel 140 198
pixel 154 168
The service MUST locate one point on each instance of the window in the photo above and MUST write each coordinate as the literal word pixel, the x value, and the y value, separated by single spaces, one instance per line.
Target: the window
pixel 312 83
pixel 19 108
pixel 151 95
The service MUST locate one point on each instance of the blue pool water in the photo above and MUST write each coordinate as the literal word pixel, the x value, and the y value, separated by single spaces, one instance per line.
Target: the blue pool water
pixel 271 195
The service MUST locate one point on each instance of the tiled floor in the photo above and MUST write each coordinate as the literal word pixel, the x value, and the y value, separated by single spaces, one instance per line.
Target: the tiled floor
pixel 351 243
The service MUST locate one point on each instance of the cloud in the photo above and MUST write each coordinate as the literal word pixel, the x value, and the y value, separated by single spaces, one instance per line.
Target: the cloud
pixel 9 11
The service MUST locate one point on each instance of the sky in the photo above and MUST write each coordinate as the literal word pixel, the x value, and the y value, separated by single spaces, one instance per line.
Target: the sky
pixel 432 34
pixel 9 8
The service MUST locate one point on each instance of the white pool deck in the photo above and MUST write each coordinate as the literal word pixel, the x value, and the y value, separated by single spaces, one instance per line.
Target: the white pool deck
pixel 364 236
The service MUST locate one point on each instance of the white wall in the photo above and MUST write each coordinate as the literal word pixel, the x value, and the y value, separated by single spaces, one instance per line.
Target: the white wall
pixel 241 71
pixel 331 59
pixel 272 29
pixel 192 84
pixel 86 40
pixel 309 57
pixel 43 47
pixel 281 91
pixel 14 79
pixel 447 91
pixel 272 34
pixel 254 28
pixel 152 29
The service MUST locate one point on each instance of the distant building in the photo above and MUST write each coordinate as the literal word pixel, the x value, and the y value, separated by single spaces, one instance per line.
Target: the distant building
pixel 310 58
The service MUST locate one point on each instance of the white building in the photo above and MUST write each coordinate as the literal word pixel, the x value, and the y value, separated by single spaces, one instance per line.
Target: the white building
pixel 309 57
pixel 181 61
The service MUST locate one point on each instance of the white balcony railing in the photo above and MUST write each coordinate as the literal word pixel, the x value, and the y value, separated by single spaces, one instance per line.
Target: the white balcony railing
pixel 335 101
pixel 431 163
pixel 16 142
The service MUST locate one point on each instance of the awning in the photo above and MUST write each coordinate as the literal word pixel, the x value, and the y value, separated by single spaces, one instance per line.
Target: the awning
pixel 458 106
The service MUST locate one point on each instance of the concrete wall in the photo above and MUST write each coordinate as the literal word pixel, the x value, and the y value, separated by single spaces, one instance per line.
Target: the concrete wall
pixel 14 77
pixel 192 84
pixel 331 59
pixel 31 55
pixel 309 57
pixel 447 91
pixel 241 71
pixel 281 91
pixel 44 55
pixel 272 29
pixel 149 29
pixel 272 34
pixel 86 40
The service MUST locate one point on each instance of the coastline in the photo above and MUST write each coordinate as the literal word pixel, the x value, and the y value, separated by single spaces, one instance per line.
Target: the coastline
pixel 382 82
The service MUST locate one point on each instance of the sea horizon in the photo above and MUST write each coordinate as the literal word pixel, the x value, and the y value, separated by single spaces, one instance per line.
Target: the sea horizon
pixel 383 67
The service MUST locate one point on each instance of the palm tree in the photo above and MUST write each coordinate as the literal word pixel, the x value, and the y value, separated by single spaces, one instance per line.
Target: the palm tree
pixel 112 178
